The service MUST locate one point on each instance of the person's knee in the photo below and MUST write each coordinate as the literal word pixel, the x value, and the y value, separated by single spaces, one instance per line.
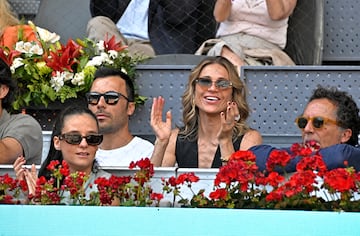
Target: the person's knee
pixel 231 56
pixel 99 26
pixel 98 21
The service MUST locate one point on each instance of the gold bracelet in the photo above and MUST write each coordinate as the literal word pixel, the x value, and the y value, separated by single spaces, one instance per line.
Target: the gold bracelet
pixel 224 159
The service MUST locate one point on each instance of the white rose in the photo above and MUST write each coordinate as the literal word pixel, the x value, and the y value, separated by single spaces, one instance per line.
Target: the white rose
pixel 36 49
pixel 100 45
pixel 95 61
pixel 78 79
pixel 113 54
pixel 57 82
pixel 27 47
pixel 16 64
pixel 19 46
pixel 47 36
pixel 67 75
pixel 98 60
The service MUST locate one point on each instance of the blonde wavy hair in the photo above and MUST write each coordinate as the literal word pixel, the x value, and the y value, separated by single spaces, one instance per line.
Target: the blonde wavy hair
pixel 191 112
pixel 7 16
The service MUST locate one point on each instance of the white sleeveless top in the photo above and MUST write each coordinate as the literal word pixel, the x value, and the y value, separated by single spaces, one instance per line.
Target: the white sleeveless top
pixel 251 17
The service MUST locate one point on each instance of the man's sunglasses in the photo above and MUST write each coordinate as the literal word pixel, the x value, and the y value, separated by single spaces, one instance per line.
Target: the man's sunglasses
pixel 111 98
pixel 207 83
pixel 92 139
pixel 316 121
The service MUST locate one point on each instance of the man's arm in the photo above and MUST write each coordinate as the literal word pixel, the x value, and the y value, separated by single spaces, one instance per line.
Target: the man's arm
pixel 262 153
pixel 10 149
pixel 21 135
pixel 335 156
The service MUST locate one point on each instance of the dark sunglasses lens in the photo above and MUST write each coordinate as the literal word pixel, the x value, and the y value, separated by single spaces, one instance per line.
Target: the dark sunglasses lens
pixel 94 139
pixel 77 138
pixel 73 139
pixel 93 98
pixel 204 82
pixel 301 122
pixel 111 98
pixel 318 122
pixel 222 83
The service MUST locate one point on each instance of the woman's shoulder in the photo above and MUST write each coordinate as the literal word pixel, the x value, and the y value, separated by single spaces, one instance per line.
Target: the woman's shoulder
pixel 251 138
pixel 252 132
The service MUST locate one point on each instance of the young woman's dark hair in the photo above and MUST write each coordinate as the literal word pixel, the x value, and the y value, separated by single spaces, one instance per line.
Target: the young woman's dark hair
pixel 54 154
pixel 6 79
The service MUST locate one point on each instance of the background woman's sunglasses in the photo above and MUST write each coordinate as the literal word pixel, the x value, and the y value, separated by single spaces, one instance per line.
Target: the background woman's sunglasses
pixel 207 83
pixel 111 98
pixel 92 139
pixel 316 121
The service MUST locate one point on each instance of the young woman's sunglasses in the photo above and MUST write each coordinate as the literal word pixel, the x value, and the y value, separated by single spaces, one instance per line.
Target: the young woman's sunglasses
pixel 316 121
pixel 92 139
pixel 207 83
pixel 111 98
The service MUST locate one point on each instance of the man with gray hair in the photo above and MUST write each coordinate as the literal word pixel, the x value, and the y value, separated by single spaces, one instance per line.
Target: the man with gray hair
pixel 331 121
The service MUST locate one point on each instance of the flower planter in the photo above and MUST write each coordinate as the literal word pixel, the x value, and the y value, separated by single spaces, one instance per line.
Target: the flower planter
pixel 78 220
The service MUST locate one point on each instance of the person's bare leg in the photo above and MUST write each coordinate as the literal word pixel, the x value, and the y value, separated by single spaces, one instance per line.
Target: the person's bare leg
pixel 232 57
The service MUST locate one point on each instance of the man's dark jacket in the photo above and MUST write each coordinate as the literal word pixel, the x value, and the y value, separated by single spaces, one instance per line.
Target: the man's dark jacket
pixel 174 26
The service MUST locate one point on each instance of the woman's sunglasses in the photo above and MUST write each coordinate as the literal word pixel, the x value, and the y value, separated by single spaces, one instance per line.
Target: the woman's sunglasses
pixel 92 139
pixel 316 121
pixel 111 98
pixel 207 83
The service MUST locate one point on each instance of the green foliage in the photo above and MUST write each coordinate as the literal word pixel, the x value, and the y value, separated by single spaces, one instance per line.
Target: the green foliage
pixel 47 71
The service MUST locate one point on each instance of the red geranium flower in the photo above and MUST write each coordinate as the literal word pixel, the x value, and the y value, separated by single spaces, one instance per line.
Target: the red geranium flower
pixel 277 158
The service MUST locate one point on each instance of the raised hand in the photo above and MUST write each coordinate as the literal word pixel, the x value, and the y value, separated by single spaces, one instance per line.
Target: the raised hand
pixel 228 120
pixel 19 168
pixel 161 129
pixel 31 178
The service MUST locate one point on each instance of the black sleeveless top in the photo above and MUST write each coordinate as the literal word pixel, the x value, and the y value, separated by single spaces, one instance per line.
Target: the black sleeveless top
pixel 186 153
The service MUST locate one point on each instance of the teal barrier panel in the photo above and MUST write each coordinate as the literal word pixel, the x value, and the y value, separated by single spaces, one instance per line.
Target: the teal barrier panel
pixel 84 220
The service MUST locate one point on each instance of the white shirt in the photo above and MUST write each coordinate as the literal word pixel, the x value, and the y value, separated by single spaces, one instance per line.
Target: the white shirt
pixel 134 22
pixel 137 149
pixel 251 17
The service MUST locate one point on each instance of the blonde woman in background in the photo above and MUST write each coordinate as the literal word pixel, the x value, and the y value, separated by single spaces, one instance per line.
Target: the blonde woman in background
pixel 214 116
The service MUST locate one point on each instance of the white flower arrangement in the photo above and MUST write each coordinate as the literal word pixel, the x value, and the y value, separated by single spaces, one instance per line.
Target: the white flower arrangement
pixel 48 71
